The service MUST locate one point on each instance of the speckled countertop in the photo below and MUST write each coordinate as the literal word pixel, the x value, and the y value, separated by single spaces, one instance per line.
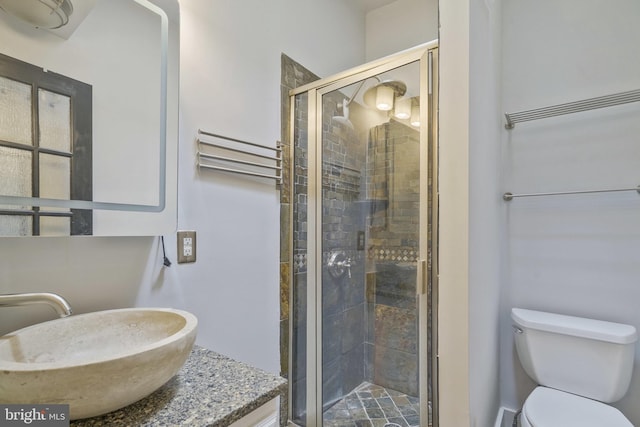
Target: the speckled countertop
pixel 209 390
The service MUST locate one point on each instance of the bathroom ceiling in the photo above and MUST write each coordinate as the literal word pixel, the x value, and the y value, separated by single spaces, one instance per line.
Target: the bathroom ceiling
pixel 369 5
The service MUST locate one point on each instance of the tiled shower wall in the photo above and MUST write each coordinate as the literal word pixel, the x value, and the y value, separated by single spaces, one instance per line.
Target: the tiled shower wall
pixel 293 261
pixel 370 319
pixel 343 297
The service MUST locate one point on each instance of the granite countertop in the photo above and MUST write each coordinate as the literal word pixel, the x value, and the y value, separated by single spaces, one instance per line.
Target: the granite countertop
pixel 209 390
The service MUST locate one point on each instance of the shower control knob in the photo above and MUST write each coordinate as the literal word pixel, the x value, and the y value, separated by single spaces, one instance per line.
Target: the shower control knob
pixel 346 264
pixel 339 264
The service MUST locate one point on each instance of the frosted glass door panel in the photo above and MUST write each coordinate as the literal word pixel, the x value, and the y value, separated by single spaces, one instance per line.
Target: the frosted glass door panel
pixel 15 225
pixel 15 111
pixel 55 120
pixel 55 226
pixel 55 175
pixel 15 173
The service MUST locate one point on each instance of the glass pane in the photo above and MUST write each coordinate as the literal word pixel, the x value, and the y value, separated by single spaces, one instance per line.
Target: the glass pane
pixel 15 173
pixel 16 225
pixel 15 111
pixel 55 226
pixel 55 120
pixel 298 371
pixel 370 236
pixel 55 177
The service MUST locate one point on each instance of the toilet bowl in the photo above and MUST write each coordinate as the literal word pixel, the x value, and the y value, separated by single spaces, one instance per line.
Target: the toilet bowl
pixel 547 407
pixel 580 365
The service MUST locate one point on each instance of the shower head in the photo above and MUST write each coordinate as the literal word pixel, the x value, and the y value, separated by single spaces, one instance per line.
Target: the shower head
pixel 343 114
pixel 343 121
pixel 343 107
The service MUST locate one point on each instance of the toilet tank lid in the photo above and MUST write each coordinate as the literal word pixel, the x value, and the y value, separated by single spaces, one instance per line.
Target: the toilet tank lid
pixel 576 326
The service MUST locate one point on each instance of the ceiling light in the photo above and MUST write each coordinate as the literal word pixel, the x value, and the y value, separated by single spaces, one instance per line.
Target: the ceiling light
pixel 384 98
pixel 381 96
pixel 48 14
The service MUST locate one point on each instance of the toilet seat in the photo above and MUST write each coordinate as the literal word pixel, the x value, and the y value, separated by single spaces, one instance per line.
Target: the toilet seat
pixel 547 407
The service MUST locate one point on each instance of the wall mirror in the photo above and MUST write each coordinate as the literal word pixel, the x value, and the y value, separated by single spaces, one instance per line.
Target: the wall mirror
pixel 88 120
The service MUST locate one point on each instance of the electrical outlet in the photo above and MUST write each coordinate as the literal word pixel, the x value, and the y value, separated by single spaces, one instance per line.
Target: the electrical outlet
pixel 186 246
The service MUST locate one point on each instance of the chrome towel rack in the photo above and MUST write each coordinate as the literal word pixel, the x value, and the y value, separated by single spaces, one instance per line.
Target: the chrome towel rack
pixel 250 158
pixel 510 196
pixel 569 108
pixel 572 107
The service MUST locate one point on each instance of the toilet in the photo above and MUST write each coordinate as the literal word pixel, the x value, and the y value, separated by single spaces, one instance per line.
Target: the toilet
pixel 580 365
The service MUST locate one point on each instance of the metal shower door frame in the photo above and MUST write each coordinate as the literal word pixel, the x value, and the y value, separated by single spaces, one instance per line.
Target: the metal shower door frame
pixel 427 55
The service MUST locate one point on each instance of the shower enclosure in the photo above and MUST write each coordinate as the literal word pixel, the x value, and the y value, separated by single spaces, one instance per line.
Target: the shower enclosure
pixel 364 247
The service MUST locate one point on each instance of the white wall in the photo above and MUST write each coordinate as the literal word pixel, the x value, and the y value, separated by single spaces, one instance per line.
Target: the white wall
pixel 230 84
pixel 571 254
pixel 92 273
pixel 453 305
pixel 325 36
pixel 399 26
pixel 486 210
pixel 471 212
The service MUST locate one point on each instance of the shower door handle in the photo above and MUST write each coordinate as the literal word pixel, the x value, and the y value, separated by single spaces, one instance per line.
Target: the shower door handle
pixel 421 285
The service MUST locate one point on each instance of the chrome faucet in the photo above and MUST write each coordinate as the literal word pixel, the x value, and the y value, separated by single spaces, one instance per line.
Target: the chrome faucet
pixel 59 304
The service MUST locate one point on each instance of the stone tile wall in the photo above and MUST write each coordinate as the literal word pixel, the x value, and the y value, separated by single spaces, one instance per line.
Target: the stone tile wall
pixel 293 258
pixel 393 185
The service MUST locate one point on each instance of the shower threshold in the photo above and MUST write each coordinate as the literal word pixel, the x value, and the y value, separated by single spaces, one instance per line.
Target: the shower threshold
pixel 373 405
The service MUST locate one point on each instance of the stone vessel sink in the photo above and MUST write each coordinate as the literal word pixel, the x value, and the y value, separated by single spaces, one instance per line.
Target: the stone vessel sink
pixel 96 362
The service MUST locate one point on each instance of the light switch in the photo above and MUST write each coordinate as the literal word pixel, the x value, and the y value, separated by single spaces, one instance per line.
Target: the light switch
pixel 186 246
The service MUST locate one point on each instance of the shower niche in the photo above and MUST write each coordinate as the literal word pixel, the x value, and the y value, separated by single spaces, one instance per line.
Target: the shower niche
pixel 362 227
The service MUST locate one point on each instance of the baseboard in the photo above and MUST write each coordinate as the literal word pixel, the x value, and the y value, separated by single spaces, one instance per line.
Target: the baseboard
pixel 505 417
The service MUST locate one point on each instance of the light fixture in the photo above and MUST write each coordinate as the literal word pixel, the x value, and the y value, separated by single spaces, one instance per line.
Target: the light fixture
pixel 381 96
pixel 402 109
pixel 48 14
pixel 384 98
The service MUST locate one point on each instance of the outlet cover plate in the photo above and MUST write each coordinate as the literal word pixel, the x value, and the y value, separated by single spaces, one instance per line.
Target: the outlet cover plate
pixel 186 246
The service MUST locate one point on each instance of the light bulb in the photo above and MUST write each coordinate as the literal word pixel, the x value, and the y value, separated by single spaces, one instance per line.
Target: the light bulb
pixel 384 98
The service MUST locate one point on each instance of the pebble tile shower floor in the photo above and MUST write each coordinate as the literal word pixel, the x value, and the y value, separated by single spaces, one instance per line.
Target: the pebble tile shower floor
pixel 373 405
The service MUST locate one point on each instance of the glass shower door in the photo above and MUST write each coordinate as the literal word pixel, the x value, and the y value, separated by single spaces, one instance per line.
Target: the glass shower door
pixel 368 211
pixel 370 221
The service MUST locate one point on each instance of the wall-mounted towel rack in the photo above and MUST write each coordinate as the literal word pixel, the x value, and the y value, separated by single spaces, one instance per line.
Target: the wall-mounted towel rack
pixel 216 161
pixel 509 196
pixel 572 107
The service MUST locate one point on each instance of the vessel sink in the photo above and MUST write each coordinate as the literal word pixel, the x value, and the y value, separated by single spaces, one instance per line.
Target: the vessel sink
pixel 96 362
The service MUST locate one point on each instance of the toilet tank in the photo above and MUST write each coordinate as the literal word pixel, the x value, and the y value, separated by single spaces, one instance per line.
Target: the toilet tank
pixel 587 357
